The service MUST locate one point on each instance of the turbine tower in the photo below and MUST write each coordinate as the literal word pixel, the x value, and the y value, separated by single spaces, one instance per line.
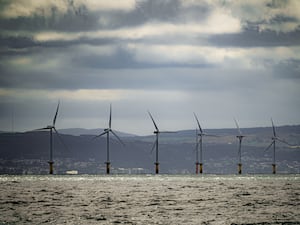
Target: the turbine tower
pixel 157 132
pixel 51 128
pixel 240 136
pixel 107 131
pixel 197 152
pixel 200 134
pixel 274 139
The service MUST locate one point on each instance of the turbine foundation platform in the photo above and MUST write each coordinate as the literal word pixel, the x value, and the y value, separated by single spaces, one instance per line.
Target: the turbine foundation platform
pixel 274 168
pixel 156 167
pixel 107 167
pixel 240 168
pixel 51 167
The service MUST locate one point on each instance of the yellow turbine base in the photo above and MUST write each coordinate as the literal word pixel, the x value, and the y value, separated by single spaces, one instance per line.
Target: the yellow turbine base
pixel 156 168
pixel 240 168
pixel 201 168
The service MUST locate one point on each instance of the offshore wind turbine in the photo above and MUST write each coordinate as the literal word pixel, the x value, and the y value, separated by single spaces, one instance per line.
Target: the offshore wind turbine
pixel 274 139
pixel 107 131
pixel 51 128
pixel 199 144
pixel 157 132
pixel 197 152
pixel 240 136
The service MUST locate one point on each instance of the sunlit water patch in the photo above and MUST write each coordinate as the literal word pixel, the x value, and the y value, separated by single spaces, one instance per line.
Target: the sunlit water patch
pixel 149 199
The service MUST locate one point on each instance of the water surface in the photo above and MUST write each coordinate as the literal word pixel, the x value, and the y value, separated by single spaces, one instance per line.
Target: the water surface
pixel 149 199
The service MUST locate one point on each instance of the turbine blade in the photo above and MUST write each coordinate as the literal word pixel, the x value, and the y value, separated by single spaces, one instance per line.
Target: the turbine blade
pixel 274 132
pixel 110 117
pixel 60 139
pixel 104 132
pixel 210 135
pixel 54 119
pixel 196 147
pixel 168 132
pixel 198 123
pixel 283 141
pixel 267 148
pixel 153 121
pixel 44 128
pixel 237 126
pixel 153 147
pixel 117 137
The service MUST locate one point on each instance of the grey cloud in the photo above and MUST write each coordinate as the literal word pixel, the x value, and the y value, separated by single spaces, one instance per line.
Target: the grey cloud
pixel 17 42
pixel 124 59
pixel 71 21
pixel 254 38
pixel 20 42
pixel 162 78
pixel 216 91
pixel 81 19
pixel 289 69
pixel 144 12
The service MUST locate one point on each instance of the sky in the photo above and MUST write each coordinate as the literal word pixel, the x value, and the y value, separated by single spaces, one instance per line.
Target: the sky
pixel 220 59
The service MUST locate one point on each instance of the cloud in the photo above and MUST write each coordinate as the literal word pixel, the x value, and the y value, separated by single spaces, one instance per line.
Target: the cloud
pixel 217 58
pixel 150 30
pixel 279 16
pixel 139 65
pixel 32 8
pixel 253 38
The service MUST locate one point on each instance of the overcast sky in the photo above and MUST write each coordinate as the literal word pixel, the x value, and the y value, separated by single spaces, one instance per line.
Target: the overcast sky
pixel 219 59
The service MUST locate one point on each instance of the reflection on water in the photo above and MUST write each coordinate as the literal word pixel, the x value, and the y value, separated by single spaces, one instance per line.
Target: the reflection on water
pixel 149 199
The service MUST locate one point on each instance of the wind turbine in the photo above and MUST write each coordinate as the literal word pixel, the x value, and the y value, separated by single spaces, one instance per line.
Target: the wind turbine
pixel 107 131
pixel 200 134
pixel 240 136
pixel 157 132
pixel 274 139
pixel 51 128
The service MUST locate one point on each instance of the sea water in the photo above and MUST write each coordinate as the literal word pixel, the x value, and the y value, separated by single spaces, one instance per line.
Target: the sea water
pixel 150 199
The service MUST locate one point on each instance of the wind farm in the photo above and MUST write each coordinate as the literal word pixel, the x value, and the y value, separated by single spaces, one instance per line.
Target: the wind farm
pixel 220 155
pixel 134 79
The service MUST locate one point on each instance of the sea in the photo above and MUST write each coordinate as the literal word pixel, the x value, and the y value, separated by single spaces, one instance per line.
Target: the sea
pixel 150 199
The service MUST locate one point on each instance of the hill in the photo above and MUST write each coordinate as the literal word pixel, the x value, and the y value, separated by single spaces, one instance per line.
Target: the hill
pixel 29 152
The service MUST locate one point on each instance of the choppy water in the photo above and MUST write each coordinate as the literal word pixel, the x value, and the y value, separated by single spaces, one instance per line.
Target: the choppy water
pixel 150 199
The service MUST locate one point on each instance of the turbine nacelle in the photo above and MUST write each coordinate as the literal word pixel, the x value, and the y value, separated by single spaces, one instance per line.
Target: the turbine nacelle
pixel 240 136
